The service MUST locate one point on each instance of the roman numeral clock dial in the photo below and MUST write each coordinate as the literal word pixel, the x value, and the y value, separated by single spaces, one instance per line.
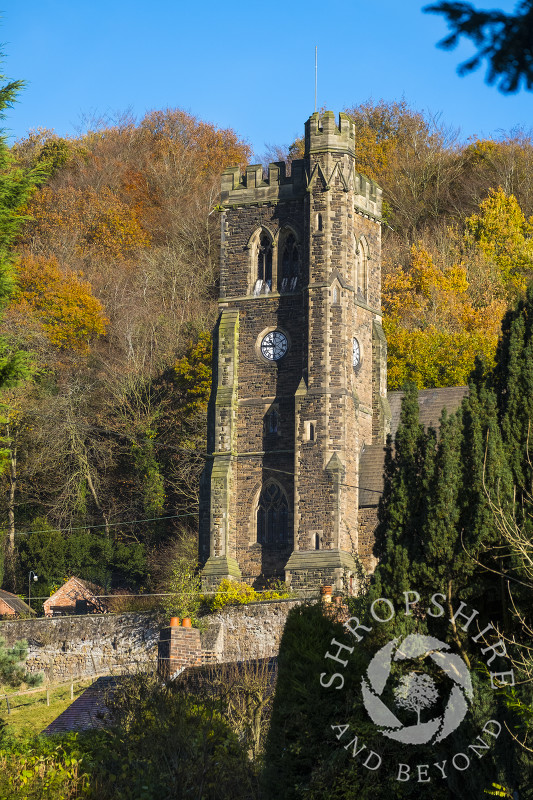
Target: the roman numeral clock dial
pixel 274 345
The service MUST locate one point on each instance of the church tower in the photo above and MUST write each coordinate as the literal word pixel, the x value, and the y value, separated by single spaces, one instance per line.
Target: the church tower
pixel 299 367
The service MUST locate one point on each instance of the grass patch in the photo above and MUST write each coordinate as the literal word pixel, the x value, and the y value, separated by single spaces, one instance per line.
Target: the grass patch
pixel 29 712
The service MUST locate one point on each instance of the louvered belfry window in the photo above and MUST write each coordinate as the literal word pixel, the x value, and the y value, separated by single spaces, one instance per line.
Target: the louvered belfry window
pixel 290 264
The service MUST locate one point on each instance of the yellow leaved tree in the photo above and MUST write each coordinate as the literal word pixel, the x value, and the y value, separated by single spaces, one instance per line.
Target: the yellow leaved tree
pixel 434 329
pixel 503 237
pixel 61 301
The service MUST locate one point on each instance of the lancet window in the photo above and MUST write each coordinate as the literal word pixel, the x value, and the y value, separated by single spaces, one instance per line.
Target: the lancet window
pixel 290 264
pixel 272 422
pixel 264 260
pixel 361 268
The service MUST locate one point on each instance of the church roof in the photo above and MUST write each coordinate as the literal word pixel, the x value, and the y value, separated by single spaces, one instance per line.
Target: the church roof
pixel 430 403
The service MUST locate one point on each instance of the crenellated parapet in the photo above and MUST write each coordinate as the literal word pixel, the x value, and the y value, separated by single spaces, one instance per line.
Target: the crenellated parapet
pixel 322 136
pixel 252 187
pixel 367 196
pixel 330 153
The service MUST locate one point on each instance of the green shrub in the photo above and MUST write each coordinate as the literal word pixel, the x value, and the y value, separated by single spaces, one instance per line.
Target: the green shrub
pixel 183 585
pixel 41 768
pixel 164 745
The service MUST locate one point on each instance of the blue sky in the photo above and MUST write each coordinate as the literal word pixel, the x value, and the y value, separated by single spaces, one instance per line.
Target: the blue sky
pixel 245 65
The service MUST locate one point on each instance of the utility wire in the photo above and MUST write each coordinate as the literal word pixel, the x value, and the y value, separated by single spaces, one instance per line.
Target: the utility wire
pixel 172 516
pixel 349 485
pixel 108 525
pixel 126 597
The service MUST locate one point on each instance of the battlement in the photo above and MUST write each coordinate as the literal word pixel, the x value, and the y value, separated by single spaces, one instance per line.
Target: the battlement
pixel 322 134
pixel 253 187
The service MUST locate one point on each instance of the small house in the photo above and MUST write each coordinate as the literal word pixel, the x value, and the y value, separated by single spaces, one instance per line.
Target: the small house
pixel 75 597
pixel 12 606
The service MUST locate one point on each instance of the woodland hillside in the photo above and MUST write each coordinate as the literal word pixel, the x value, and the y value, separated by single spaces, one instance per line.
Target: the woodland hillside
pixel 116 263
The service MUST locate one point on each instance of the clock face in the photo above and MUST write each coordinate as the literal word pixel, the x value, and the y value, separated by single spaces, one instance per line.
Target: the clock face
pixel 356 353
pixel 274 345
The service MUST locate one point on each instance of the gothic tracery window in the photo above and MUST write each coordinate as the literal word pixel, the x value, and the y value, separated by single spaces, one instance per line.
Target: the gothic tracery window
pixel 290 264
pixel 272 515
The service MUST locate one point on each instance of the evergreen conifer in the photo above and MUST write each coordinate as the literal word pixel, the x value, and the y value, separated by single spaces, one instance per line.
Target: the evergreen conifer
pixel 16 185
pixel 402 506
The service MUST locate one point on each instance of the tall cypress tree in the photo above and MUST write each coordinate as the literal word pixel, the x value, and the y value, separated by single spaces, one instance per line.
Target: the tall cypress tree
pixel 436 563
pixel 512 381
pixel 486 482
pixel 402 506
pixel 437 530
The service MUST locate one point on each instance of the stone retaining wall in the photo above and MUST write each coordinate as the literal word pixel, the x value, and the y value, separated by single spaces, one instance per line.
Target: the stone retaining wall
pixel 82 646
pixel 252 631
pixel 236 633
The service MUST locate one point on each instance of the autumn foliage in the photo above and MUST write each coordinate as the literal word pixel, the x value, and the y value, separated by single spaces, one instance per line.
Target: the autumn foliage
pixel 117 268
pixel 61 301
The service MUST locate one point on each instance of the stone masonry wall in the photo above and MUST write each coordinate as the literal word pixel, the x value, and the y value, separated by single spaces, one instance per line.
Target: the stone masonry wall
pixel 236 633
pixel 252 631
pixel 81 646
pixel 368 520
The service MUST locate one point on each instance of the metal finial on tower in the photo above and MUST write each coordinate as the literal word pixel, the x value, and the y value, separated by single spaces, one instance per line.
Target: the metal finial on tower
pixel 316 71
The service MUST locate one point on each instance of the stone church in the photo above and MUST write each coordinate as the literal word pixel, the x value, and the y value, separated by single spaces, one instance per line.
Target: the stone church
pixel 299 411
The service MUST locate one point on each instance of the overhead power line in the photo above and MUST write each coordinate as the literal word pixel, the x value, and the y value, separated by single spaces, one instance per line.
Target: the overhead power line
pixel 108 525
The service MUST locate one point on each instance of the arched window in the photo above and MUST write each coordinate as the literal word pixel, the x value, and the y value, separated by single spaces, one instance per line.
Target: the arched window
pixel 336 298
pixel 361 268
pixel 272 515
pixel 290 264
pixel 264 260
pixel 272 422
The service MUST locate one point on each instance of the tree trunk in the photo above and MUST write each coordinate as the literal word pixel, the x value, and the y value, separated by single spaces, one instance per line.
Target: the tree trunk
pixel 11 500
pixel 455 632
pixel 97 503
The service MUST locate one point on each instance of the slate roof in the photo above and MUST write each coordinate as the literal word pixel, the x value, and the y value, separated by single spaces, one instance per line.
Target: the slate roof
pixel 89 710
pixel 14 602
pixel 430 403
